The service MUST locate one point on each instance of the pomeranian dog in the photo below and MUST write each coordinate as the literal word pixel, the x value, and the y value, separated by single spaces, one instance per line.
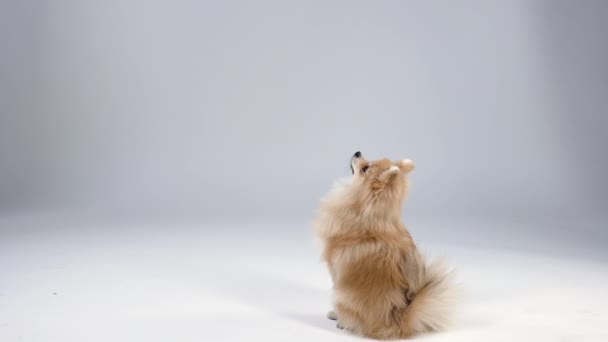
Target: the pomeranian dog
pixel 383 288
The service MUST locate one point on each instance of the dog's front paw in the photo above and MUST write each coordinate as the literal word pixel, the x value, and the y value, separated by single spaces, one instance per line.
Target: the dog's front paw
pixel 332 315
pixel 339 326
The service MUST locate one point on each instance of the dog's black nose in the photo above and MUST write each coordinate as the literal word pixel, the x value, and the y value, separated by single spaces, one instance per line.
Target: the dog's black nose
pixel 357 154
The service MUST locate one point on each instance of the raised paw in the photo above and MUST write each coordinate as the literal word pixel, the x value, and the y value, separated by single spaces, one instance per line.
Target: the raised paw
pixel 332 315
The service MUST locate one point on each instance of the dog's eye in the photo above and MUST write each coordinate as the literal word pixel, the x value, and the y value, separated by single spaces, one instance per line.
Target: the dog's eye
pixel 364 169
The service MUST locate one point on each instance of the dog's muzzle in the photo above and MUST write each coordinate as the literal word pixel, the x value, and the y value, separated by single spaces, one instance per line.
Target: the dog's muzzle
pixel 355 156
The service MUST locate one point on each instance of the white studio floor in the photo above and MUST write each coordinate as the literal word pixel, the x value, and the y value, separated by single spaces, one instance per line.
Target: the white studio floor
pixel 85 280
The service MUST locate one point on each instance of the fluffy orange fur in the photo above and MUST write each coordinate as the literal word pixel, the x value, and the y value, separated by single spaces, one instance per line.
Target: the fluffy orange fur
pixel 383 288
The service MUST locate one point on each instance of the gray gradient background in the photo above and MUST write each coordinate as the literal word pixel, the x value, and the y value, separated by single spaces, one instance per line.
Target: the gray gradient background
pixel 250 109
pixel 161 162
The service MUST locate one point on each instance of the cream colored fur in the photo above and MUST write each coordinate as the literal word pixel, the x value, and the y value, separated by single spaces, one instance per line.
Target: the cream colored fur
pixel 383 288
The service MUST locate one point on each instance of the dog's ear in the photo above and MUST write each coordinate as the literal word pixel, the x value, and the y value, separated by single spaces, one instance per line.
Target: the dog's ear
pixel 405 165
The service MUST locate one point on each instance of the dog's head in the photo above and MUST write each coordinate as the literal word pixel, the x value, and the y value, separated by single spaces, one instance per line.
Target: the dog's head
pixel 381 175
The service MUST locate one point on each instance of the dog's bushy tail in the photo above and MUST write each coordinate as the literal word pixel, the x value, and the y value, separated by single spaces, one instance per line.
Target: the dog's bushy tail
pixel 433 304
